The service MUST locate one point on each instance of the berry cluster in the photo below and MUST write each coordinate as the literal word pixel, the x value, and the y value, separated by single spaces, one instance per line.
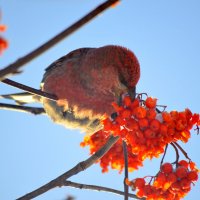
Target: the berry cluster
pixel 114 157
pixel 147 130
pixel 3 42
pixel 169 183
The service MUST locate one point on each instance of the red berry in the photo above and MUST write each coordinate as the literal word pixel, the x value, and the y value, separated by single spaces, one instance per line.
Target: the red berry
pixel 149 133
pixel 143 123
pixel 148 190
pixel 150 102
pixel 139 182
pixel 176 186
pixel 185 183
pixel 126 113
pixel 192 176
pixel 183 163
pixel 172 178
pixel 127 101
pixel 155 125
pixel 181 172
pixel 167 168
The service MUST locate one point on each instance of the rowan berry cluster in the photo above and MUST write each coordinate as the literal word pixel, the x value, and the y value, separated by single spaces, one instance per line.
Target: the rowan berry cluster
pixel 170 183
pixel 114 157
pixel 147 130
pixel 3 42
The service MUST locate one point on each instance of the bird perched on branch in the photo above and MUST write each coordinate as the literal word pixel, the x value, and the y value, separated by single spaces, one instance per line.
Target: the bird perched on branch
pixel 86 82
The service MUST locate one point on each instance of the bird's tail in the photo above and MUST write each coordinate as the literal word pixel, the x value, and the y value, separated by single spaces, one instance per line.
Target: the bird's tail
pixel 21 98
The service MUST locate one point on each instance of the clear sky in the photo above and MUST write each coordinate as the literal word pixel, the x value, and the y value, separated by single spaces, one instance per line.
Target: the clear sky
pixel 164 35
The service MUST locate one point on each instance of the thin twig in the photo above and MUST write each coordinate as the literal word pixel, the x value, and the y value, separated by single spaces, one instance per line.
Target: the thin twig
pixel 59 181
pixel 182 150
pixel 15 67
pixel 158 111
pixel 30 89
pixel 27 109
pixel 164 154
pixel 97 188
pixel 177 154
pixel 162 106
pixel 125 170
pixel 197 129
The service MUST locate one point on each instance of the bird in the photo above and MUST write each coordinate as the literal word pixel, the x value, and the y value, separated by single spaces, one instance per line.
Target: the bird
pixel 86 81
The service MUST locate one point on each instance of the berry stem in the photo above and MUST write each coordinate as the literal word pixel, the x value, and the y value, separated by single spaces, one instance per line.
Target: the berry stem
pixel 182 150
pixel 177 154
pixel 164 155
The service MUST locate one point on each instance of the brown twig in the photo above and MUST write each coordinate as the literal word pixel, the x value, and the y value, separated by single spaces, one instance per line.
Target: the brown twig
pixel 59 181
pixel 30 89
pixel 15 67
pixel 182 150
pixel 97 188
pixel 125 170
pixel 177 154
pixel 164 154
pixel 27 109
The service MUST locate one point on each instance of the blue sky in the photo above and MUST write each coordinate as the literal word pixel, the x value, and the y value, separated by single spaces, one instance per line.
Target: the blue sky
pixel 164 35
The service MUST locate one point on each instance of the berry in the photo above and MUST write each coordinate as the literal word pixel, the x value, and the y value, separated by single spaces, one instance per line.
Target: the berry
pixel 167 168
pixel 181 172
pixel 192 176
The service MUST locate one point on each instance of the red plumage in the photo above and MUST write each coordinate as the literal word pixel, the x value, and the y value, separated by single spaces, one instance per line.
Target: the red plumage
pixel 87 81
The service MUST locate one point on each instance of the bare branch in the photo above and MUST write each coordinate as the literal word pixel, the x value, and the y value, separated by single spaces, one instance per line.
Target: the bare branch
pixel 177 154
pixel 97 188
pixel 15 67
pixel 30 89
pixel 182 150
pixel 125 170
pixel 164 155
pixel 27 109
pixel 59 181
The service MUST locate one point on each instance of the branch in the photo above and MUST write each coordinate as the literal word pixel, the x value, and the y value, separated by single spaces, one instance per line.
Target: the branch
pixel 125 170
pixel 97 188
pixel 177 154
pixel 182 150
pixel 59 181
pixel 27 109
pixel 30 89
pixel 15 67
pixel 164 155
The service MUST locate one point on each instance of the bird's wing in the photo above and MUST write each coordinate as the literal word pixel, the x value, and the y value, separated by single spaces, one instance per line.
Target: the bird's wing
pixel 59 63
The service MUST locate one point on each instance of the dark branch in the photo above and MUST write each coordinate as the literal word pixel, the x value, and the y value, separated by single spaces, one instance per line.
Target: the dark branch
pixel 182 150
pixel 15 67
pixel 59 181
pixel 27 109
pixel 125 170
pixel 97 188
pixel 164 155
pixel 177 154
pixel 30 89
